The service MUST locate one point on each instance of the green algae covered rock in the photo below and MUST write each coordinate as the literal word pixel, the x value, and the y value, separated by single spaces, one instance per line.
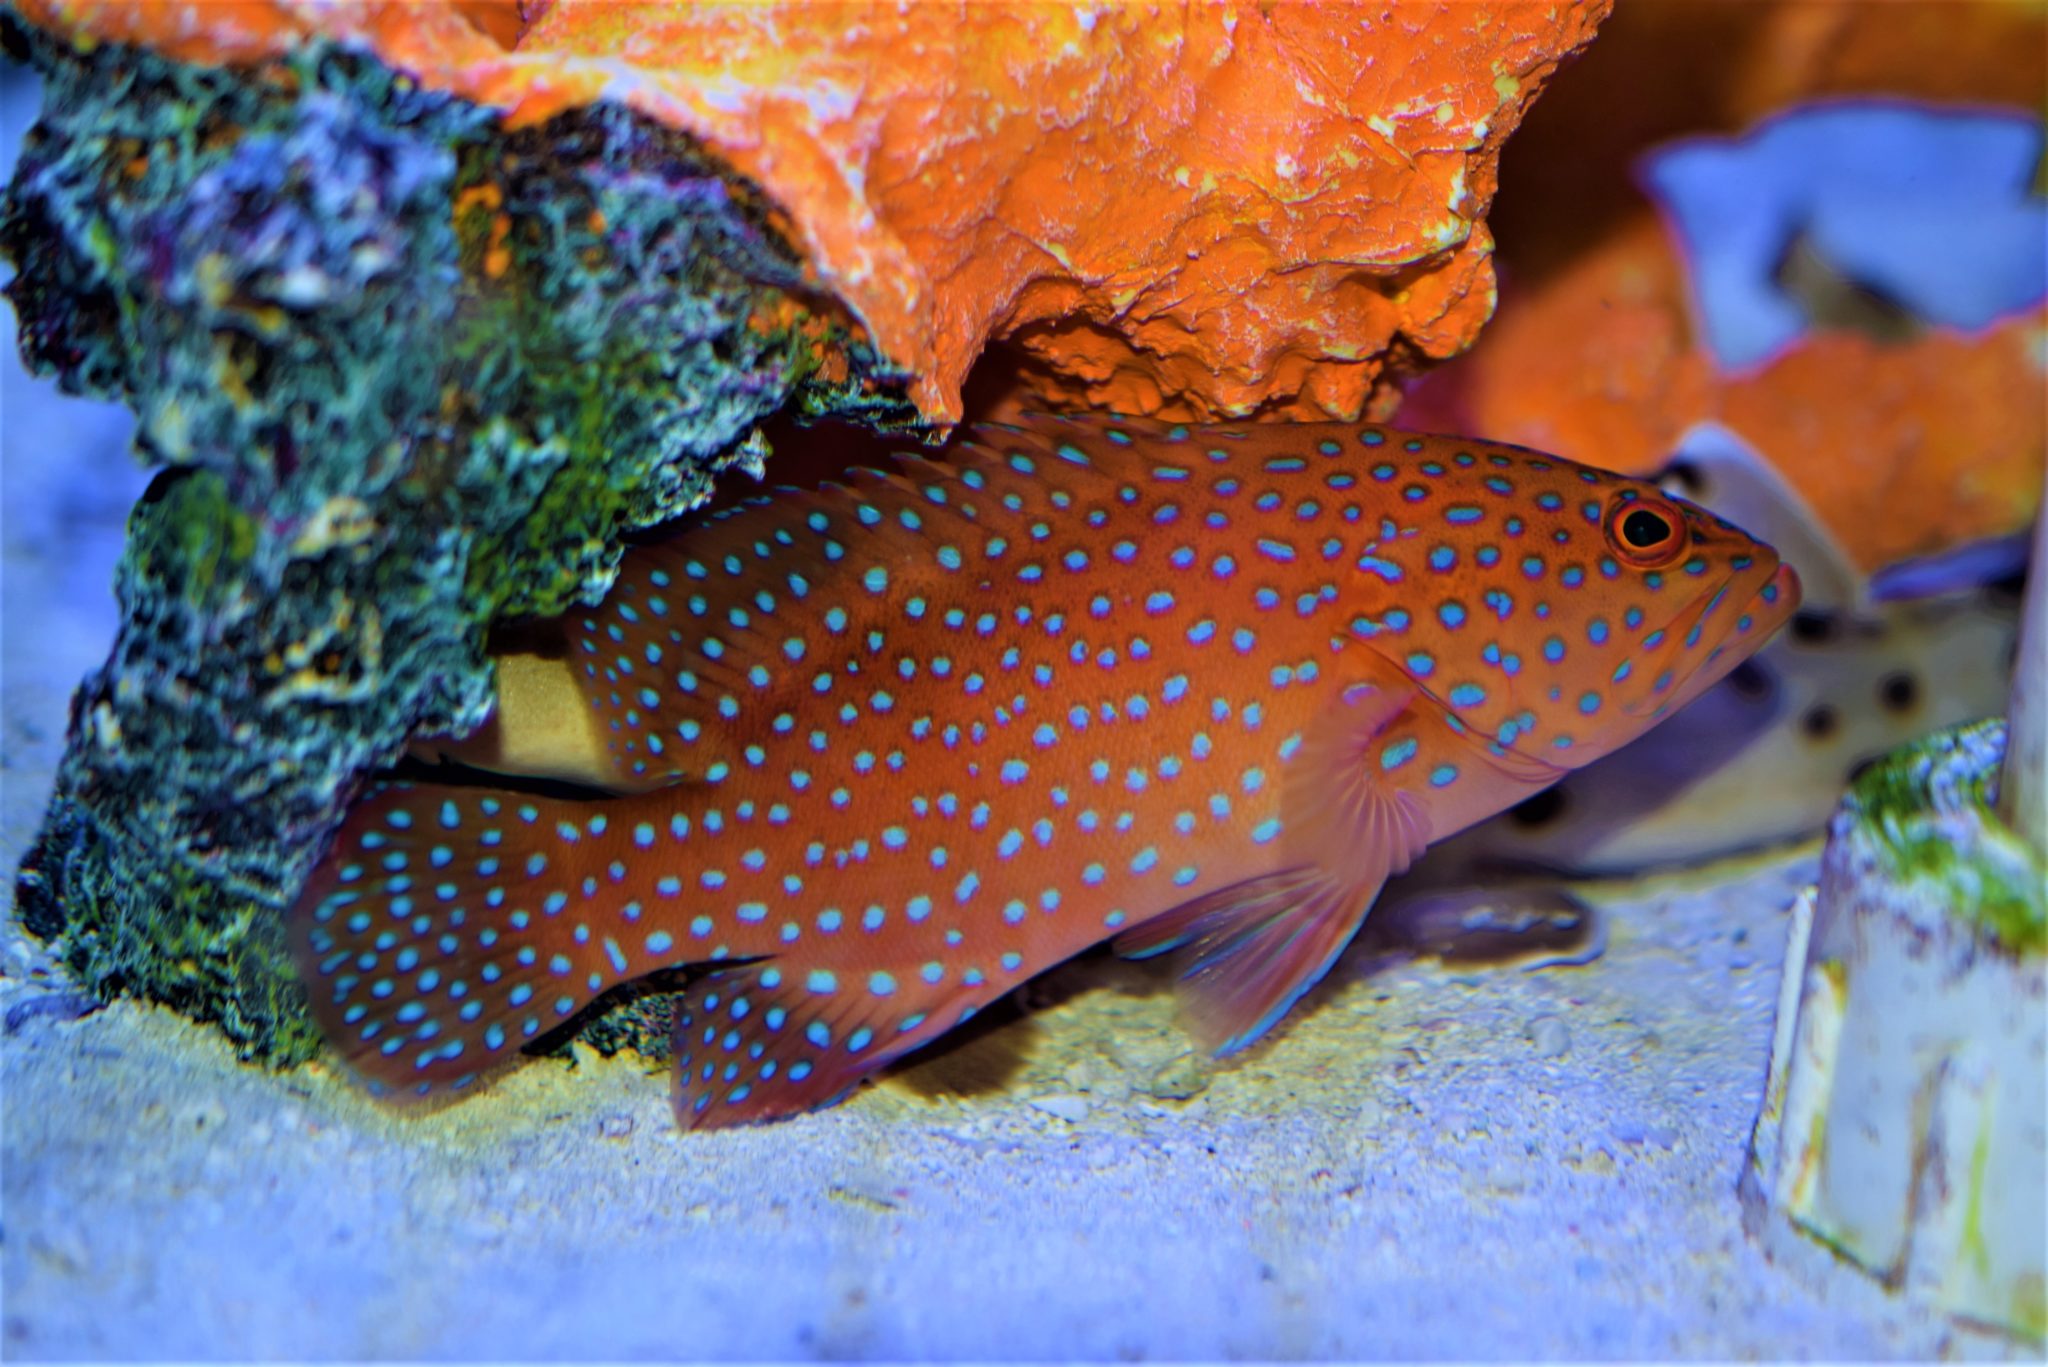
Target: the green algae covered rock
pixel 1925 817
pixel 409 374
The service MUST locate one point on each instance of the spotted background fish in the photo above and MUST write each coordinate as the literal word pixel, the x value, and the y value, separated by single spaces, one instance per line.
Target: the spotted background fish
pixel 906 743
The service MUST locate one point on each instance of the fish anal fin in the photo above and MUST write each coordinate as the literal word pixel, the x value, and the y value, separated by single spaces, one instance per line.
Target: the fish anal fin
pixel 770 1039
pixel 1255 947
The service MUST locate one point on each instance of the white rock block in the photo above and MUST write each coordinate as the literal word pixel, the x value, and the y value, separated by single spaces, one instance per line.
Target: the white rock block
pixel 1905 1122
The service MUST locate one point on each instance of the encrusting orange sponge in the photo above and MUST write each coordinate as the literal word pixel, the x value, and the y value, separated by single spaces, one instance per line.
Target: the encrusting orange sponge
pixel 1192 211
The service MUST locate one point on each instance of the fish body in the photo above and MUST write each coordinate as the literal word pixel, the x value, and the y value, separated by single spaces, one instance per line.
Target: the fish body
pixel 892 749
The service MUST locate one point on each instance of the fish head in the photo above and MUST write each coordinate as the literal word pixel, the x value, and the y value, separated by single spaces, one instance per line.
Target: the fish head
pixel 1555 612
pixel 1741 593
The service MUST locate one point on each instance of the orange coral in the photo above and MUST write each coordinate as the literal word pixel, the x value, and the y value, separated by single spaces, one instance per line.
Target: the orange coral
pixel 1194 211
pixel 1904 448
pixel 1708 66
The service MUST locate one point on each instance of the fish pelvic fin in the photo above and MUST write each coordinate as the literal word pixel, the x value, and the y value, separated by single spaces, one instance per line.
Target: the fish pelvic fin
pixel 770 1039
pixel 1254 948
pixel 449 927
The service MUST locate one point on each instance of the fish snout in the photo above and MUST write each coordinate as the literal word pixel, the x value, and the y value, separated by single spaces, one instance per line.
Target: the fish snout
pixel 1725 628
pixel 1769 606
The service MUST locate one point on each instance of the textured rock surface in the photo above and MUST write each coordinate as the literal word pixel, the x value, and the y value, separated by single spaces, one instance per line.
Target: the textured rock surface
pixel 1210 210
pixel 410 374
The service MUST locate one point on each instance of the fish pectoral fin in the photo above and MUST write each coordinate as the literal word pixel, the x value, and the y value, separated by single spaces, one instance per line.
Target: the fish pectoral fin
pixel 772 1039
pixel 1255 947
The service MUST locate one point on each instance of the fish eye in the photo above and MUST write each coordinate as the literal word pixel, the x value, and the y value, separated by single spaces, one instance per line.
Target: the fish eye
pixel 1646 532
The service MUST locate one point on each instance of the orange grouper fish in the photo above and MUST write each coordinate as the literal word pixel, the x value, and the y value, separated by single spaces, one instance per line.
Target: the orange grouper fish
pixel 923 737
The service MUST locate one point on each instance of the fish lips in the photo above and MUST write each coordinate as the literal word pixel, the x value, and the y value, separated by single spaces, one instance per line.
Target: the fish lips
pixel 1734 619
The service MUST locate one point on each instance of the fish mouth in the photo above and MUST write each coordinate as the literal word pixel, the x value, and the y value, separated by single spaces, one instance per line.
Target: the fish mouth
pixel 1729 624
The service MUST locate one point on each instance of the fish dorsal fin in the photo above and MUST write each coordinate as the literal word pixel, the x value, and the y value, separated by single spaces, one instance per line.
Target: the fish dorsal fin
pixel 1255 947
pixel 780 613
pixel 772 1038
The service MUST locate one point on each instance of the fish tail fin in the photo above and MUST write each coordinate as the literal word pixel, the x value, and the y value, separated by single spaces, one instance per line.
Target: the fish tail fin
pixel 447 927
